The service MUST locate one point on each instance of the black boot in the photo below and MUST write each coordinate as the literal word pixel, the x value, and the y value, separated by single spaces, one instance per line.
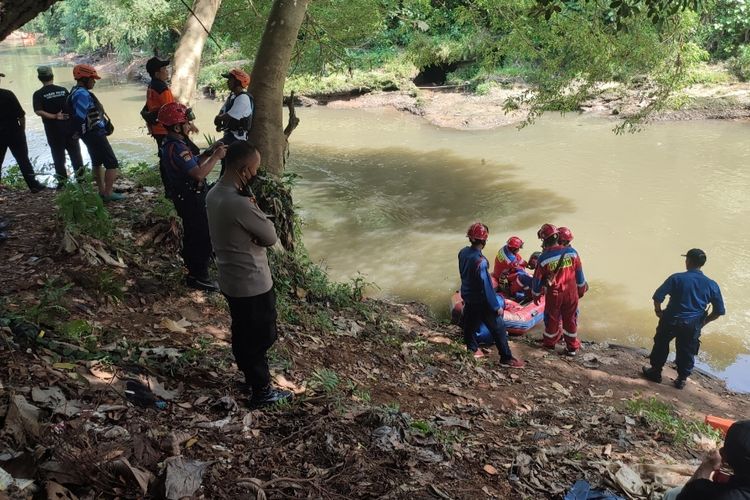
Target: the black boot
pixel 34 185
pixel 652 374
pixel 206 284
pixel 269 396
pixel 680 382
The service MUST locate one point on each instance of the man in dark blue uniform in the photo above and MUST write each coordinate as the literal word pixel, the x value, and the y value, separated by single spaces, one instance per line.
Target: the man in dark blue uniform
pixel 13 137
pixel 481 303
pixel 690 293
pixel 48 103
pixel 186 173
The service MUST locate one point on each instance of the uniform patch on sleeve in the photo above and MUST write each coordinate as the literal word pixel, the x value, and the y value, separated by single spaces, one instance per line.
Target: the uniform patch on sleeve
pixel 186 155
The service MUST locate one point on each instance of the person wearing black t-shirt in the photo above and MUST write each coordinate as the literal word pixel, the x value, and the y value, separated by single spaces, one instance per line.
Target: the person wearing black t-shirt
pixel 13 137
pixel 709 482
pixel 48 103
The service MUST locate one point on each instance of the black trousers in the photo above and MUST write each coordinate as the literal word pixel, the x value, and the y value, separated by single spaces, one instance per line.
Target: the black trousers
pixel 253 333
pixel 15 140
pixel 59 142
pixel 164 179
pixel 474 316
pixel 196 240
pixel 686 335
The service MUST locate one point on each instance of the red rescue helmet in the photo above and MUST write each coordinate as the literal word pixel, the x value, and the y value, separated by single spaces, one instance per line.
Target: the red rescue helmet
pixel 173 113
pixel 478 231
pixel 85 71
pixel 546 231
pixel 564 234
pixel 515 242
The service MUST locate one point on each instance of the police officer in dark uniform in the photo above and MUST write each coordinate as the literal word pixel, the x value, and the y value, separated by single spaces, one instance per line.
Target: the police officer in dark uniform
pixel 186 171
pixel 690 294
pixel 13 136
pixel 48 103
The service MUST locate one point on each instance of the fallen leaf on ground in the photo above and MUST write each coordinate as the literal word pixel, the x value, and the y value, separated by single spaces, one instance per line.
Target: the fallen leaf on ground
pixel 492 471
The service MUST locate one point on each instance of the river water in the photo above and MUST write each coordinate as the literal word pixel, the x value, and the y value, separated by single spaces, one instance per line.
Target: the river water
pixel 390 196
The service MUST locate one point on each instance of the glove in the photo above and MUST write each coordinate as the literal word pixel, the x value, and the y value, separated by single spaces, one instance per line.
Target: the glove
pixel 582 290
pixel 537 300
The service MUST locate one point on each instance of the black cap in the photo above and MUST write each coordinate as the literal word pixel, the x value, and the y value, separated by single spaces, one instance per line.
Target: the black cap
pixel 737 447
pixel 696 255
pixel 155 64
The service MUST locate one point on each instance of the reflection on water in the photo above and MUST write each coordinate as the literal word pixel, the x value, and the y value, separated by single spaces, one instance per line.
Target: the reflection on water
pixel 389 195
pixel 393 196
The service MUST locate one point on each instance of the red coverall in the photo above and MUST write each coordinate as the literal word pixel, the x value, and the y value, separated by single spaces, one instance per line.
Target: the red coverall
pixel 506 262
pixel 566 285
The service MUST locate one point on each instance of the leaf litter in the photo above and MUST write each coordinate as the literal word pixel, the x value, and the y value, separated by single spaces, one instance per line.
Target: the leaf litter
pixel 149 406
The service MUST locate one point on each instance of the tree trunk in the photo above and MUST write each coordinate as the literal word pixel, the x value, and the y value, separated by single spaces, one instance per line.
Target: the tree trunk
pixel 187 57
pixel 16 13
pixel 268 133
pixel 269 74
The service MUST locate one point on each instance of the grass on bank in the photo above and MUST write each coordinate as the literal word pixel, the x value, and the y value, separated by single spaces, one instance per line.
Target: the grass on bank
pixel 663 417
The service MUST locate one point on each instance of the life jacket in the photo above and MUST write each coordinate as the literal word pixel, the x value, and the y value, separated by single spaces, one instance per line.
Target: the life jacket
pixel 93 116
pixel 243 124
pixel 183 183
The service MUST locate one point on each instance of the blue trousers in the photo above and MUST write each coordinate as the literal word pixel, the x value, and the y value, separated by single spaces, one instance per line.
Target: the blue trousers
pixel 686 334
pixel 474 316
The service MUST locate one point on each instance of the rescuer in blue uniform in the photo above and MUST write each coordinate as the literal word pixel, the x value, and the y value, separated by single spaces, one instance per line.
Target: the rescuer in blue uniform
pixel 690 294
pixel 481 303
pixel 186 172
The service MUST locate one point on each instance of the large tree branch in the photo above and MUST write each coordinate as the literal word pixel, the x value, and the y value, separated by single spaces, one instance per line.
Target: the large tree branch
pixel 16 13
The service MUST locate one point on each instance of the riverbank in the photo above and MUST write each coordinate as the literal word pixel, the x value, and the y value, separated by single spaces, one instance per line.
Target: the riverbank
pixel 717 95
pixel 388 403
pixel 470 111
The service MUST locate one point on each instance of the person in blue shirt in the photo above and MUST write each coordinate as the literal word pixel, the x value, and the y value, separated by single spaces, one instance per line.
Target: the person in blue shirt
pixel 93 126
pixel 186 173
pixel 481 303
pixel 690 294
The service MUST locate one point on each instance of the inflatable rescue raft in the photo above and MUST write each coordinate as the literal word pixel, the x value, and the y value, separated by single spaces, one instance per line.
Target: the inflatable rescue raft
pixel 519 317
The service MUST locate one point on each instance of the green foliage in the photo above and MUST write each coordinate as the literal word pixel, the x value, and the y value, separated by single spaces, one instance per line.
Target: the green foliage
pixel 664 418
pixel 122 26
pixel 13 179
pixel 79 332
pixel 164 209
pixel 110 285
pixel 740 64
pixel 325 380
pixel 143 174
pixel 82 211
pixel 726 28
pixel 49 309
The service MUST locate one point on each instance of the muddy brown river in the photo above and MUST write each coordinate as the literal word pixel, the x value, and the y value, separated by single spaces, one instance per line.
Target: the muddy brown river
pixel 387 195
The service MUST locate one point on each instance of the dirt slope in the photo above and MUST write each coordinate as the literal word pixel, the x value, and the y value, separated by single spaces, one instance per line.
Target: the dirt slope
pixel 389 405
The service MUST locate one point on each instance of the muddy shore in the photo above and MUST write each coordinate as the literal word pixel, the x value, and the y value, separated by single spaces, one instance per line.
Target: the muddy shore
pixel 388 404
pixel 453 107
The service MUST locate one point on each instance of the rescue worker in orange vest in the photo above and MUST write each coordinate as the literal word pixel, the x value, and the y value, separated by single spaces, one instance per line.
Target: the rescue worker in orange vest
pixel 560 276
pixel 157 95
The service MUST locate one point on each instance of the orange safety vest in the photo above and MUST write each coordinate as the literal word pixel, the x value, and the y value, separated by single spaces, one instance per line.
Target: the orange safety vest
pixel 157 95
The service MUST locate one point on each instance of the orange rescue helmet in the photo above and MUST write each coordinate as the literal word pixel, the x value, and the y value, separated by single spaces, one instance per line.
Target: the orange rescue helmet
pixel 239 75
pixel 478 231
pixel 173 113
pixel 85 71
pixel 514 242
